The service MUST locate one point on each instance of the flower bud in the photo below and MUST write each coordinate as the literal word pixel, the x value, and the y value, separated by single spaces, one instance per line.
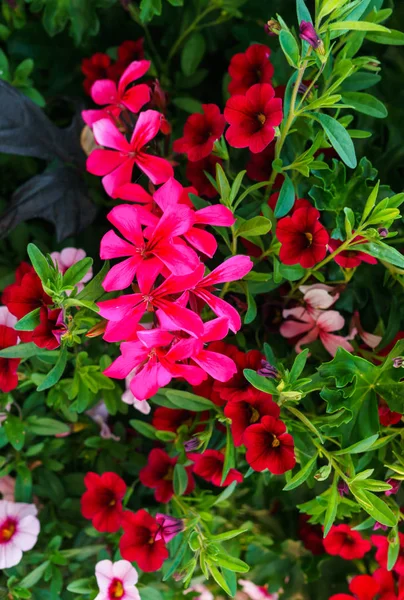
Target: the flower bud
pixel 378 525
pixel 383 232
pixel 310 35
pixel 267 370
pixel 395 486
pixel 272 27
pixel 193 444
pixel 398 362
pixel 343 488
pixel 169 527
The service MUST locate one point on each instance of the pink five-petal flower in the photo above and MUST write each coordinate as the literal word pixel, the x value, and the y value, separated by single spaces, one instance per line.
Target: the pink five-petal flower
pixel 146 256
pixel 67 258
pixel 370 339
pixel 125 312
pixel 105 92
pixel 19 530
pixel 116 165
pixel 315 326
pixel 116 580
pixel 155 361
pixel 230 270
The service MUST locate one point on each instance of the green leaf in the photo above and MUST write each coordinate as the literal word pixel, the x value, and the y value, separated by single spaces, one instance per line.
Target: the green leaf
pixel 144 428
pixel 46 426
pixel 332 507
pixel 370 202
pixel 328 6
pixel 251 312
pixel 394 548
pixel 298 365
pixel 29 321
pixel 223 185
pixel 230 562
pixel 260 383
pixel 34 576
pixel 80 586
pixel 148 9
pixel 21 351
pixel 254 227
pixel 357 26
pixel 286 198
pixel 383 252
pixel 220 580
pixel 15 430
pixel 23 484
pixel 188 401
pixel 177 558
pixel 303 13
pixel 301 475
pixel 228 535
pixel 374 506
pixel 391 38
pixel 180 479
pixel 230 454
pixel 236 185
pixel 56 373
pixel 94 290
pixel 39 263
pixel 192 53
pixel 290 48
pixel 190 105
pixel 366 104
pixel 227 492
pixel 76 272
pixel 339 139
pixel 361 446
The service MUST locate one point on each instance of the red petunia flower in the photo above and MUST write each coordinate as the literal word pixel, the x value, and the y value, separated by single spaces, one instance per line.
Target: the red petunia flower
pixel 238 388
pixel 311 535
pixel 102 502
pixel 26 294
pixel 250 67
pixel 382 546
pixel 304 240
pixel 170 419
pixel 363 587
pixel 94 68
pixel 139 543
pixel 49 331
pixel 200 133
pixel 345 542
pixel 245 413
pixel 253 118
pixel 269 446
pixel 195 173
pixel 158 474
pixel 259 165
pixel 8 366
pixel 206 388
pixel 349 259
pixel 388 417
pixel 209 466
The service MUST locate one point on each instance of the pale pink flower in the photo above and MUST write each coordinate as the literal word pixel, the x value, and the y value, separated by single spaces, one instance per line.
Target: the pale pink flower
pixel 202 590
pixel 7 487
pixel 370 339
pixel 99 414
pixel 6 318
pixel 105 92
pixel 255 592
pixel 19 530
pixel 318 296
pixel 116 580
pixel 141 405
pixel 69 257
pixel 315 326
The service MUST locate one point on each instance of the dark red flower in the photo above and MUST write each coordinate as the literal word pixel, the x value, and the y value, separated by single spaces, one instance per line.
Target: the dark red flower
pixel 269 446
pixel 201 132
pixel 245 413
pixel 170 419
pixel 363 587
pixel 139 543
pixel 304 240
pixel 382 545
pixel 259 165
pixel 238 388
pixel 206 390
pixel 94 68
pixel 309 34
pixel 209 466
pixel 349 259
pixel 158 474
pixel 26 294
pixel 128 51
pixel 102 502
pixel 250 67
pixel 49 331
pixel 311 535
pixel 253 118
pixel 195 174
pixel 388 417
pixel 8 366
pixel 345 542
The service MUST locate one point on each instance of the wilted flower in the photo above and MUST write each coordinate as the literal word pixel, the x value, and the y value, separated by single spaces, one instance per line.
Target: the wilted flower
pixel 272 27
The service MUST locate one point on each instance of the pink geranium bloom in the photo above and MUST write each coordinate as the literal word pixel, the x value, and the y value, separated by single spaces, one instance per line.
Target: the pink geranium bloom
pixel 116 580
pixel 256 592
pixel 230 270
pixel 147 257
pixel 105 92
pixel 6 318
pixel 315 326
pixel 125 312
pixel 202 590
pixel 253 118
pixel 116 165
pixel 69 257
pixel 370 339
pixel 318 296
pixel 19 530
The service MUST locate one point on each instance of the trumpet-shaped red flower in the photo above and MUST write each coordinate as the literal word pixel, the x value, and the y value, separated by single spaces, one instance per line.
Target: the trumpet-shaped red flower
pixel 363 587
pixel 8 366
pixel 269 446
pixel 209 466
pixel 388 417
pixel 232 269
pixel 116 98
pixel 345 542
pixel 195 173
pixel 349 259
pixel 139 542
pixel 170 419
pixel 245 413
pixel 125 312
pixel 238 388
pixel 158 474
pixel 250 67
pixel 259 166
pixel 49 331
pixel 26 294
pixel 116 164
pixel 156 361
pixel 201 132
pixel 382 545
pixel 95 67
pixel 253 118
pixel 304 240
pixel 147 257
pixel 311 535
pixel 102 502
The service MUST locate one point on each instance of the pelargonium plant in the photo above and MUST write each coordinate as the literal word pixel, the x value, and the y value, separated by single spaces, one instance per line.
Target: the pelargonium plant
pixel 202 394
